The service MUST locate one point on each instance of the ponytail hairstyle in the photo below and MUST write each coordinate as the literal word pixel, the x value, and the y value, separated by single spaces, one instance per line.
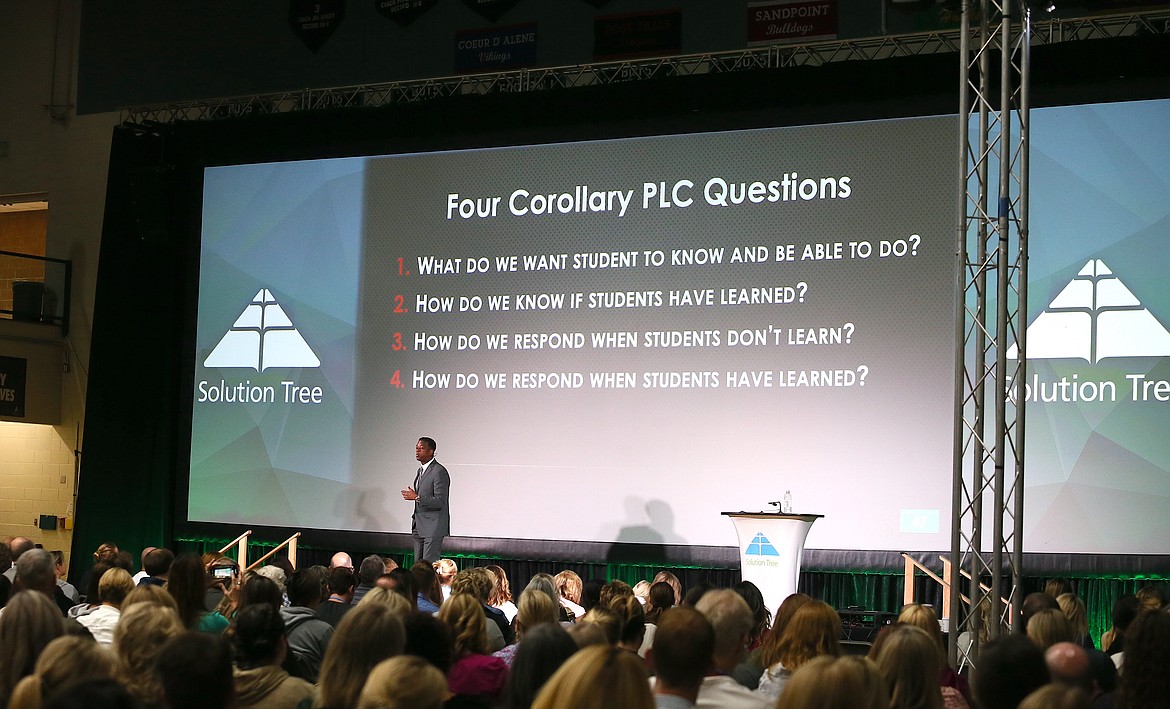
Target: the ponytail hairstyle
pixel 257 636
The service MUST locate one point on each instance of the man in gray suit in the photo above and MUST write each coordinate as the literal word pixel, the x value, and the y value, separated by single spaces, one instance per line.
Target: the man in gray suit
pixel 431 521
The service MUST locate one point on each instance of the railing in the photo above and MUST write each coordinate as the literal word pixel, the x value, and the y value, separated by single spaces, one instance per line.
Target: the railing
pixel 241 544
pixel 35 288
pixel 913 565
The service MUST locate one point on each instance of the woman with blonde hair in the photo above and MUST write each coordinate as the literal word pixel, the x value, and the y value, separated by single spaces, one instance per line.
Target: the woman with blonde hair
pixel 501 595
pixel 1049 627
pixel 474 673
pixel 368 634
pixel 910 661
pixel 69 658
pixel 404 682
pixel 1077 616
pixel 923 616
pixel 30 622
pixel 535 609
pixel 597 677
pixel 569 586
pixel 672 580
pixel 113 588
pixel 632 618
pixel 815 630
pixel 836 683
pixel 149 593
pixel 143 630
pixel 446 569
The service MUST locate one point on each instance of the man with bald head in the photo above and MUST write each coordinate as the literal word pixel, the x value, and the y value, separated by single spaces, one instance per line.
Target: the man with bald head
pixel 18 546
pixel 1069 664
pixel 341 560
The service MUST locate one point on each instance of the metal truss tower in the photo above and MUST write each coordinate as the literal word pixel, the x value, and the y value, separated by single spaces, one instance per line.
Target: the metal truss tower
pixel 992 249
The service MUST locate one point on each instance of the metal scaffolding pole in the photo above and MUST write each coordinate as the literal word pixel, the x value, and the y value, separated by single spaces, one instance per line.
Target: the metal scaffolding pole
pixel 992 250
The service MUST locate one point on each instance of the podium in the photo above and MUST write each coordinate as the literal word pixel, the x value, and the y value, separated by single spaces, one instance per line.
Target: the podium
pixel 771 545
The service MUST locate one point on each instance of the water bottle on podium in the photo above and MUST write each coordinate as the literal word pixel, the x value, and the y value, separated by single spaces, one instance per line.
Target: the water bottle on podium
pixel 786 507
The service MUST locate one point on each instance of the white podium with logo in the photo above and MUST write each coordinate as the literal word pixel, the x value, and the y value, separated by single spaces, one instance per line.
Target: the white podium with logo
pixel 771 545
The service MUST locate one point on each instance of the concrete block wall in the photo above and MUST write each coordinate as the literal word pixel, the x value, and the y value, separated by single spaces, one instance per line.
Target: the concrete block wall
pixel 36 478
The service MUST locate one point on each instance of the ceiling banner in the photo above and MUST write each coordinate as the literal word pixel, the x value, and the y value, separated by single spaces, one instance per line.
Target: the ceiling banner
pixel 315 20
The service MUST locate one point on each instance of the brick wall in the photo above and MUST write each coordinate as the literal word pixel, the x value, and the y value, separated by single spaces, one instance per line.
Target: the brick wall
pixel 22 232
pixel 34 460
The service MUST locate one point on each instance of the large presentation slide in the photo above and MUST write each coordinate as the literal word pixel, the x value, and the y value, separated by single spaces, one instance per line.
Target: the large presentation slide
pixel 616 341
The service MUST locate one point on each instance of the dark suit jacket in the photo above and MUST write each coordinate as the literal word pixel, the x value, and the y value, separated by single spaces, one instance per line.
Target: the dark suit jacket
pixel 432 513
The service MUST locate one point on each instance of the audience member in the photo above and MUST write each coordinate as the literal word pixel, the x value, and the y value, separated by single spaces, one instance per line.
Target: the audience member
pixel 143 630
pixel 597 677
pixel 69 590
pixel 500 597
pixel 429 638
pixel 545 648
pixel 474 673
pixel 143 573
pixel 367 576
pixel 258 638
pixel 1048 627
pixel 826 682
pixel 671 580
pixel 682 656
pixel 157 565
pixel 731 618
pixel 815 630
pixel 92 694
pixel 1068 663
pixel 258 589
pixel 65 660
pixel 1057 587
pixel 113 588
pixel 1075 612
pixel 403 585
pixel 196 672
pixel 1010 668
pixel 150 594
pixel 404 682
pixel 430 593
pixel 1125 609
pixel 535 609
pixel 1057 696
pixel 632 624
pixel 446 570
pixel 19 545
pixel 341 560
pixel 1152 597
pixel 606 620
pixel 660 600
pixel 341 584
pixel 569 587
pixel 187 584
pixel 761 616
pixel 35 572
pixel 29 623
pixel 1033 604
pixel 385 597
pixel 308 635
pixel 910 661
pixel 367 635
pixel 696 592
pixel 923 616
pixel 478 584
pixel 591 594
pixel 749 671
pixel 1145 681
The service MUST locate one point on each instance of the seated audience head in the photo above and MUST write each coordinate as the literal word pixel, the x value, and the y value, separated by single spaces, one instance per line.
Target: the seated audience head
pixel 30 622
pixel 389 564
pixel 196 672
pixel 1057 586
pixel 404 682
pixel 1010 668
pixel 275 574
pixel 305 587
pixel 366 635
pixel 785 611
pixel 591 593
pixel 58 563
pixel 378 596
pixel 1075 612
pixel 371 568
pixel 115 585
pixel 257 636
pixel 684 645
pixel 568 585
pixel 67 659
pixel 1034 603
pixel 544 650
pixel 909 660
pixel 761 616
pixel 922 616
pixel 95 577
pixel 427 582
pixel 404 585
pixel 661 597
pixel 35 571
pixel 631 619
pixel 92 694
pixel 341 560
pixel 696 592
pixel 534 608
pixel 597 677
pixel 607 620
pixel 615 589
pixel 1145 680
pixel 1068 663
pixel 463 613
pixel 1125 610
pixel 642 591
pixel 1057 696
pixel 149 593
pixel 501 589
pixel 157 562
pixel 19 545
pixel 473 582
pixel 1048 627
pixel 825 682
pixel 187 584
pixel 544 584
pixel 813 631
pixel 142 631
pixel 429 638
pixel 1102 672
pixel 586 634
pixel 672 580
pixel 1152 597
pixel 446 570
pixel 260 590
pixel 341 581
pixel 729 615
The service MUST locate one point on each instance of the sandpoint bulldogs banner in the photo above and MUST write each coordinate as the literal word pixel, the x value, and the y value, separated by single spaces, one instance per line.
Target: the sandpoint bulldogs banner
pixel 795 21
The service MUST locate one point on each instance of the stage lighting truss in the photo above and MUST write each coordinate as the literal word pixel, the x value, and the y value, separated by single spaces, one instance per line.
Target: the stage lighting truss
pixel 777 56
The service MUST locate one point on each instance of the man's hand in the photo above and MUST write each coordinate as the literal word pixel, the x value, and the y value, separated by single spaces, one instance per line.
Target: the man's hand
pixel 409 494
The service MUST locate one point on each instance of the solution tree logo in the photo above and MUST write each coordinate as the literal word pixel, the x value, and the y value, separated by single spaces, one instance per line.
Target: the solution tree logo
pixel 262 337
pixel 1094 317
